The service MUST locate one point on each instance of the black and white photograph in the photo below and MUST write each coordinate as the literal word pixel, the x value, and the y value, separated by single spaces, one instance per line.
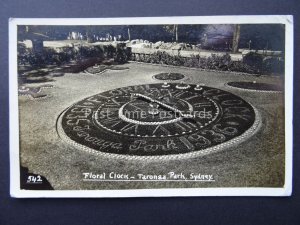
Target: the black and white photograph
pixel 162 106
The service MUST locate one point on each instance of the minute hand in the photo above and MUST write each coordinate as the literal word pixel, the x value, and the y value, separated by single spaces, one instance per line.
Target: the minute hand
pixel 184 115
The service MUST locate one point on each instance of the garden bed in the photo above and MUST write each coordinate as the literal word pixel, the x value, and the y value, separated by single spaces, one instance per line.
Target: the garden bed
pixel 251 63
pixel 168 76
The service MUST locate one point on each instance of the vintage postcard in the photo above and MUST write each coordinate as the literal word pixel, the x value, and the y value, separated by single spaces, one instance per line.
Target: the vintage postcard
pixel 140 107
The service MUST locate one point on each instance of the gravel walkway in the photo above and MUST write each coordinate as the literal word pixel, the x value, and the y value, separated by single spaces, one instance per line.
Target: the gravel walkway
pixel 257 162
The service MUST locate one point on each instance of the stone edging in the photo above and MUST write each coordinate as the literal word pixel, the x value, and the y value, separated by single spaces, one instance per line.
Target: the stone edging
pixel 252 90
pixel 85 71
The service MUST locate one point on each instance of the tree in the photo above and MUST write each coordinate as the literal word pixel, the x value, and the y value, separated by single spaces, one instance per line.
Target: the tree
pixel 36 34
pixel 176 32
pixel 172 29
pixel 236 38
pixel 88 33
pixel 128 31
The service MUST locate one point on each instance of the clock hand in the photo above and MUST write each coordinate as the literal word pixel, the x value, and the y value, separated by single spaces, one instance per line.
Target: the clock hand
pixel 184 115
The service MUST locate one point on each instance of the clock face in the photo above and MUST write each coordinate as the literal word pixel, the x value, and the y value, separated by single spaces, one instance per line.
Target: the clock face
pixel 157 120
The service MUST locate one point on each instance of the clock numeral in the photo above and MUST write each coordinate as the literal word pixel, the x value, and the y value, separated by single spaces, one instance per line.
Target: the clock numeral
pixel 166 93
pixel 187 143
pixel 191 97
pixel 108 113
pixel 235 116
pixel 154 92
pixel 86 105
pixel 185 126
pixel 232 102
pixel 112 121
pixel 71 122
pixel 81 110
pixel 217 136
pixel 73 116
pixel 97 98
pixel 212 92
pixel 202 104
pixel 160 129
pixel 178 93
pixel 108 110
pixel 235 109
pixel 199 140
pixel 217 97
pixel 129 127
pixel 225 130
pixel 136 107
pixel 114 103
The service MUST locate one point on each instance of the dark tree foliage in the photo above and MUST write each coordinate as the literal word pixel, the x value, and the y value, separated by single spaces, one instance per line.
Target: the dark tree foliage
pixel 254 36
pixel 263 36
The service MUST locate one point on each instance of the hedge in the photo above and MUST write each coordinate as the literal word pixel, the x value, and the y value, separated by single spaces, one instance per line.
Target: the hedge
pixel 51 57
pixel 252 63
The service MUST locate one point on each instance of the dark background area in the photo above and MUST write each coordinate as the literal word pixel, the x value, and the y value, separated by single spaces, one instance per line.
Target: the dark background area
pixel 262 36
pixel 191 210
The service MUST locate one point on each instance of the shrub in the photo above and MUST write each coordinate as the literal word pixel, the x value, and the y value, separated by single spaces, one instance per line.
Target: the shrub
pixel 273 65
pixel 49 56
pixel 253 60
pixel 192 62
pixel 122 55
pixel 252 63
pixel 90 52
pixel 239 66
pixel 108 51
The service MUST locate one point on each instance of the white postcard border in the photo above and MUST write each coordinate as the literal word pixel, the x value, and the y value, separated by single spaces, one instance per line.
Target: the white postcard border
pixel 15 190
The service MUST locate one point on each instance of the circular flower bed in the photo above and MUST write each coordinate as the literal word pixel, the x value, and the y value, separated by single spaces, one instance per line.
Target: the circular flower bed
pixel 168 76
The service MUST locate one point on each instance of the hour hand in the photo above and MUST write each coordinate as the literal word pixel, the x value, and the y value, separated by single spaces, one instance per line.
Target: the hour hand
pixel 181 114
pixel 138 95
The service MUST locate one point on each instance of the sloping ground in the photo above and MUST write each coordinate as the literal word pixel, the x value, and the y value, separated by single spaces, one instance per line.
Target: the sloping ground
pixel 256 162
